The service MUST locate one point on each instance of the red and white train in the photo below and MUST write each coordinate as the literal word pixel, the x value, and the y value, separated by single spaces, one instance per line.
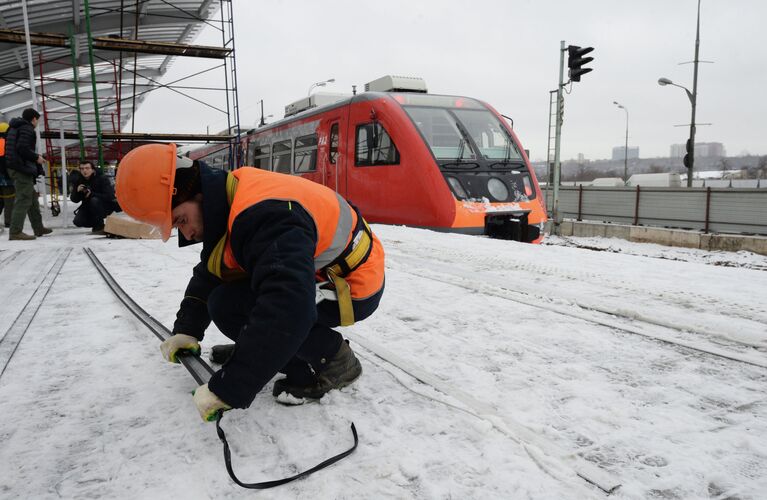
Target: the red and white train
pixel 404 156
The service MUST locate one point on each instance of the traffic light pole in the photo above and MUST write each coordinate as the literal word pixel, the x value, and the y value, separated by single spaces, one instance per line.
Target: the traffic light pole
pixel 693 101
pixel 558 137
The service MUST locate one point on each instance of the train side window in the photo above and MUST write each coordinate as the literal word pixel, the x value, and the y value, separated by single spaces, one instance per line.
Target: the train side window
pixel 333 150
pixel 306 154
pixel 374 146
pixel 261 156
pixel 281 156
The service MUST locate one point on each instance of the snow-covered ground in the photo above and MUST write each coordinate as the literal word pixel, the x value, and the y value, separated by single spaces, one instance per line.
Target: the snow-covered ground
pixel 492 369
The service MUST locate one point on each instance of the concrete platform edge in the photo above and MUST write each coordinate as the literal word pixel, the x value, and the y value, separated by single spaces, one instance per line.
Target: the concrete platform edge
pixel 664 236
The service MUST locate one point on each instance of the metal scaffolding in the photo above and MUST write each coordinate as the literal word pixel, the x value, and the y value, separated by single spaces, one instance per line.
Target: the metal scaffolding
pixel 85 87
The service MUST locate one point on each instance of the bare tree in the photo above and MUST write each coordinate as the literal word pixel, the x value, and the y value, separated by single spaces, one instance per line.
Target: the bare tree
pixel 725 166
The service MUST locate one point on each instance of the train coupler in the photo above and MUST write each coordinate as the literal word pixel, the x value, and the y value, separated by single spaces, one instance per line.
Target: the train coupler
pixel 511 226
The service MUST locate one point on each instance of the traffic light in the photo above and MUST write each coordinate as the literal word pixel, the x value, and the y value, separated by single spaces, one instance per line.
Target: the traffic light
pixel 687 161
pixel 575 61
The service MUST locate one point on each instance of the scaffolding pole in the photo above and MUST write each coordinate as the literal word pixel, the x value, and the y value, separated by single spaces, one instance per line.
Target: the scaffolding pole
pixel 227 35
pixel 32 87
pixel 76 84
pixel 93 82
pixel 64 179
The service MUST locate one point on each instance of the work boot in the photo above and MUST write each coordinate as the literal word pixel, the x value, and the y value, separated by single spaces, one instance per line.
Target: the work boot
pixel 43 231
pixel 221 353
pixel 335 373
pixel 20 236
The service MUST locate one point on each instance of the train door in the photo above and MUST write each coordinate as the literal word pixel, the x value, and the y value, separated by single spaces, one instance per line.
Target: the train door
pixel 332 144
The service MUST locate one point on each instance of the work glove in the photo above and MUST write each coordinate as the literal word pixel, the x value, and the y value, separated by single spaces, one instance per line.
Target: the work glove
pixel 179 342
pixel 208 403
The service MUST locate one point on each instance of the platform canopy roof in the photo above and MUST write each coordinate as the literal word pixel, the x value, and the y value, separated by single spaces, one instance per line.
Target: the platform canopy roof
pixel 154 32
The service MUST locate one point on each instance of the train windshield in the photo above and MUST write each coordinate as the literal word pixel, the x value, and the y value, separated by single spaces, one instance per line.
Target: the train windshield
pixel 464 134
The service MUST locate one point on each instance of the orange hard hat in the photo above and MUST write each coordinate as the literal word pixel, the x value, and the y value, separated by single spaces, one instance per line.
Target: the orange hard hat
pixel 144 185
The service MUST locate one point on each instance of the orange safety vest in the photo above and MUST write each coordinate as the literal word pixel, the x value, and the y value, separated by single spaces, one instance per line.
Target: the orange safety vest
pixel 2 146
pixel 338 231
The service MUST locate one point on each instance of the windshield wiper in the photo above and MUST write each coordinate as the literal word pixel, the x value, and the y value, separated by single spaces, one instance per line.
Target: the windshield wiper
pixel 464 141
pixel 461 146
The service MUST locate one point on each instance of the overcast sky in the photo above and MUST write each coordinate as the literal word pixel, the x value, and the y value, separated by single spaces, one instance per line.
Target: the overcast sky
pixel 505 52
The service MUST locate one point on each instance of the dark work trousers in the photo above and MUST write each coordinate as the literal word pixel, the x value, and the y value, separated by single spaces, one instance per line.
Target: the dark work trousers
pixel 7 195
pixel 91 213
pixel 230 304
pixel 26 203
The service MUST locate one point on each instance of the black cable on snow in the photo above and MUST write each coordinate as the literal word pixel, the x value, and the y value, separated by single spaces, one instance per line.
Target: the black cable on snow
pixel 277 482
pixel 202 372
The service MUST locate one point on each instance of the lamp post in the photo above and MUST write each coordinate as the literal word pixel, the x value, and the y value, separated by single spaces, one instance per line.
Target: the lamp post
pixel 320 84
pixel 262 122
pixel 693 96
pixel 626 147
pixel 689 158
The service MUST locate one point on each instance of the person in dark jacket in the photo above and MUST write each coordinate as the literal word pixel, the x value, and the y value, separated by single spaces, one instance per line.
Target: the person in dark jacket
pixel 24 166
pixel 7 192
pixel 268 241
pixel 96 195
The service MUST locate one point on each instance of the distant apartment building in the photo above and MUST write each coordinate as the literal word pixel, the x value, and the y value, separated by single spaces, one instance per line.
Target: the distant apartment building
pixel 619 152
pixel 702 150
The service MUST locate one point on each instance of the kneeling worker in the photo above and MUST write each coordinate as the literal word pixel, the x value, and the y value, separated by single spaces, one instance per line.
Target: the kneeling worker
pixel 96 195
pixel 268 240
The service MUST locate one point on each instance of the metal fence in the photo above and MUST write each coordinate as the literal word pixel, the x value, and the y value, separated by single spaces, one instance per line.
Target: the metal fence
pixel 717 210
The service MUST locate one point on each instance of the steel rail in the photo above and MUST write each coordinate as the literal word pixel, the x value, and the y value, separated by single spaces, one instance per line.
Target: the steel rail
pixel 511 295
pixel 533 443
pixel 198 368
pixel 12 338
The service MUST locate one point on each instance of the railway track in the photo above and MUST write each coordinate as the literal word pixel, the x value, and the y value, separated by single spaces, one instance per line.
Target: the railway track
pixel 548 455
pixel 613 319
pixel 15 333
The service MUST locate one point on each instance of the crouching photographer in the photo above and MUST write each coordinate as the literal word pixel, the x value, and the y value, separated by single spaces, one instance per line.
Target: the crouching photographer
pixel 96 196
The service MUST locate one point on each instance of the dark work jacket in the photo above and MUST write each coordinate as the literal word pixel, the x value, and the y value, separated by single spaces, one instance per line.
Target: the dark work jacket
pixel 99 186
pixel 274 242
pixel 20 144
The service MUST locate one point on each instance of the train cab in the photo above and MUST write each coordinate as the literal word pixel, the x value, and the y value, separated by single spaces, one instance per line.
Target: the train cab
pixel 404 156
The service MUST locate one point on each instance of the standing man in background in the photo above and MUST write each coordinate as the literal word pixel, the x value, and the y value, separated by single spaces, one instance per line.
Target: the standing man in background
pixel 7 192
pixel 24 166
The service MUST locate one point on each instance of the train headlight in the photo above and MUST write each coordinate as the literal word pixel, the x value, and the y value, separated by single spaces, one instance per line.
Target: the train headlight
pixel 460 193
pixel 497 189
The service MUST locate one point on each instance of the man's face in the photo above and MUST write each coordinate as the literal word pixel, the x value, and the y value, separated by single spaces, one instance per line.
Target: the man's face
pixel 34 122
pixel 187 217
pixel 86 169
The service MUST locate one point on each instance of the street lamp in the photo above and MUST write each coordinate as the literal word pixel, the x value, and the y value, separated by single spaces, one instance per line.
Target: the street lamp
pixel 626 147
pixel 320 84
pixel 689 159
pixel 693 96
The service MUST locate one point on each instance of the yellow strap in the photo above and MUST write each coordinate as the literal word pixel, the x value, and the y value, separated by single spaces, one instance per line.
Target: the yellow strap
pixel 216 259
pixel 345 309
pixel 358 252
pixel 231 187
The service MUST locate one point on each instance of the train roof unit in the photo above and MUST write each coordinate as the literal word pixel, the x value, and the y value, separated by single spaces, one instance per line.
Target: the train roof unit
pixel 392 83
pixel 313 101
